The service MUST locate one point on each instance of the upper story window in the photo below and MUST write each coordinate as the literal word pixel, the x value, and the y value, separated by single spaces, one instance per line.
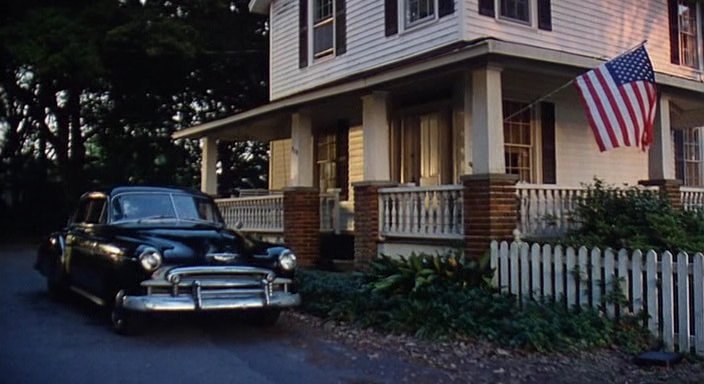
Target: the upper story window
pixel 686 43
pixel 414 12
pixel 518 10
pixel 322 28
pixel 418 11
pixel 323 24
pixel 521 11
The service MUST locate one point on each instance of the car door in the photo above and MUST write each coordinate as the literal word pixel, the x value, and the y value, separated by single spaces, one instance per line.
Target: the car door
pixel 83 241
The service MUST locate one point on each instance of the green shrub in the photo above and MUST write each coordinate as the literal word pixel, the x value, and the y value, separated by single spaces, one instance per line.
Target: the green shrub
pixel 441 297
pixel 634 219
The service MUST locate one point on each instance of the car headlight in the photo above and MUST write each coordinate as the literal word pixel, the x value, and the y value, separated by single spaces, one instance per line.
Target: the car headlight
pixel 150 258
pixel 287 261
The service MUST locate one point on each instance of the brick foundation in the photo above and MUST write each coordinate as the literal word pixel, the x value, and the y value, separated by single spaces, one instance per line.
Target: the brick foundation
pixel 669 189
pixel 302 223
pixel 366 220
pixel 490 210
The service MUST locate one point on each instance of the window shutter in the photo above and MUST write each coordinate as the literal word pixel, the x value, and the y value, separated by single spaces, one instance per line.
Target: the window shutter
pixel 544 15
pixel 678 136
pixel 391 17
pixel 486 8
pixel 674 32
pixel 303 33
pixel 547 125
pixel 343 163
pixel 446 7
pixel 340 27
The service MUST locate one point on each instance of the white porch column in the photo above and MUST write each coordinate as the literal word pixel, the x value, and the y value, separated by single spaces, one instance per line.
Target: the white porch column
pixel 660 156
pixel 375 122
pixel 208 175
pixel 302 151
pixel 487 120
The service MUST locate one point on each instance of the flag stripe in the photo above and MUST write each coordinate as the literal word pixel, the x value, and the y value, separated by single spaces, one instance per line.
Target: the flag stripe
pixel 608 84
pixel 604 119
pixel 588 104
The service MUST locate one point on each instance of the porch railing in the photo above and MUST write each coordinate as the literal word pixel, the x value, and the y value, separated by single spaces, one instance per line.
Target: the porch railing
pixel 421 212
pixel 256 214
pixel 692 198
pixel 545 210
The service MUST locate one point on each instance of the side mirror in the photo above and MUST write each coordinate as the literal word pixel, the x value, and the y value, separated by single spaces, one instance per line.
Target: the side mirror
pixel 239 225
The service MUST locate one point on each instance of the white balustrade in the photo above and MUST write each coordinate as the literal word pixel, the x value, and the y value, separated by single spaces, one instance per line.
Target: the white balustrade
pixel 545 210
pixel 692 198
pixel 263 214
pixel 421 212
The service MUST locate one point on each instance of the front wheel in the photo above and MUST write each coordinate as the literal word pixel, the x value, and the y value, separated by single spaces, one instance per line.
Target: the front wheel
pixel 124 321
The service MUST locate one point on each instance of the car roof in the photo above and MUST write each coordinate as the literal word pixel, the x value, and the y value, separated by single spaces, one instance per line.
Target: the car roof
pixel 144 188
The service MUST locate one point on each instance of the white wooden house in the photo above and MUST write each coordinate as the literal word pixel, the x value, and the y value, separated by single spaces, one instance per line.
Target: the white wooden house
pixel 409 97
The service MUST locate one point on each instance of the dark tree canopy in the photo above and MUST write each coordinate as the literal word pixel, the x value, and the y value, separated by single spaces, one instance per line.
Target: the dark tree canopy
pixel 91 91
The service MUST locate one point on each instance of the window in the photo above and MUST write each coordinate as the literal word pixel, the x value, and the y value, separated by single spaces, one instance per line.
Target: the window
pixel 687 20
pixel 686 45
pixel 518 141
pixel 414 12
pixel 331 159
pixel 688 156
pixel 322 28
pixel 90 211
pixel 323 24
pixel 419 11
pixel 517 10
pixel 520 11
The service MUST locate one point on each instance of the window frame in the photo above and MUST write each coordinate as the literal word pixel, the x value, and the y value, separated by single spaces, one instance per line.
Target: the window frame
pixel 696 36
pixel 692 138
pixel 314 56
pixel 528 22
pixel 405 21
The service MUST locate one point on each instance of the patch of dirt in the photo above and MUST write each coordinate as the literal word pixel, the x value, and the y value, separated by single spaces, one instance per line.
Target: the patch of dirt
pixel 482 362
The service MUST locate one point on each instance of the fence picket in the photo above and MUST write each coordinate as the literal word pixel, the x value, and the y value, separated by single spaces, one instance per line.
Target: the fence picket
pixel 637 281
pixel 651 283
pixel 623 278
pixel 583 279
pixel 494 262
pixel 571 281
pixel 503 262
pixel 683 302
pixel 609 274
pixel 559 285
pixel 547 269
pixel 596 278
pixel 668 314
pixel 514 271
pixel 525 274
pixel 535 268
pixel 698 289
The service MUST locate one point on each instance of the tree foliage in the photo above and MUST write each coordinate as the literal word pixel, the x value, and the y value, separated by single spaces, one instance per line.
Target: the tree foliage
pixel 91 91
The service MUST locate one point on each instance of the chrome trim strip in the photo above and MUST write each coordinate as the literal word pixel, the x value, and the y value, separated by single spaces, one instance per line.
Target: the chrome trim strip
pixel 229 269
pixel 166 303
pixel 88 296
pixel 213 283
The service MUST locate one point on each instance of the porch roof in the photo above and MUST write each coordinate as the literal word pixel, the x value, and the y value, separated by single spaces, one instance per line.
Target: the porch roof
pixel 259 123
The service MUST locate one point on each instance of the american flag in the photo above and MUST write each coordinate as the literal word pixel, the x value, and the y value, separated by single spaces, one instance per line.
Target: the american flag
pixel 620 98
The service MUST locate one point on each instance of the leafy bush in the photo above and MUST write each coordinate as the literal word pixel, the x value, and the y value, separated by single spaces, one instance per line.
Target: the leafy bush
pixel 447 295
pixel 634 219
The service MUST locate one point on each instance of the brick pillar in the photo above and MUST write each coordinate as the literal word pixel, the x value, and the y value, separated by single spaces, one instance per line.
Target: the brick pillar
pixel 302 223
pixel 366 220
pixel 490 210
pixel 669 189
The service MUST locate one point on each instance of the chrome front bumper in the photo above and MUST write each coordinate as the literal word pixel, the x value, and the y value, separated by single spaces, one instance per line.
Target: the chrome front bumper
pixel 211 288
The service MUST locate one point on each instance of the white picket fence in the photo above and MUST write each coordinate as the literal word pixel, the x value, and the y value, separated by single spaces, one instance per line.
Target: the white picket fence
pixel 668 288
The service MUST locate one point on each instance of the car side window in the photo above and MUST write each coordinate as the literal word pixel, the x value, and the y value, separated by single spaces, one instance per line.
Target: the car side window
pixel 96 211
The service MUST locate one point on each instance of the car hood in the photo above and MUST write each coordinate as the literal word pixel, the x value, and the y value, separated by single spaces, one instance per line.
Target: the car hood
pixel 193 245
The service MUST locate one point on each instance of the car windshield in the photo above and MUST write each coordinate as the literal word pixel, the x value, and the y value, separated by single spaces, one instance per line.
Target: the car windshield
pixel 162 206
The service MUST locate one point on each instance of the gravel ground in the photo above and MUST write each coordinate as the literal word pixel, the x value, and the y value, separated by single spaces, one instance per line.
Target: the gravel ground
pixel 480 362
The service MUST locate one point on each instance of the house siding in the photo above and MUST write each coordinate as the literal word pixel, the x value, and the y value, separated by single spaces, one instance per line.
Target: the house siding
pixel 367 45
pixel 594 28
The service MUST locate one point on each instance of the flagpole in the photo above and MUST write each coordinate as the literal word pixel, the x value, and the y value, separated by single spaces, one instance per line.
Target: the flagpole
pixel 567 84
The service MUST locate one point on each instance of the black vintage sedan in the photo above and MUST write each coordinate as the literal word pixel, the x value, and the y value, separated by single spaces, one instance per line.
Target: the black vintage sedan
pixel 141 250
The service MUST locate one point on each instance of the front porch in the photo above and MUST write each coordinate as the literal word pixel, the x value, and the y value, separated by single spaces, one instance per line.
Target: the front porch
pixel 443 154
